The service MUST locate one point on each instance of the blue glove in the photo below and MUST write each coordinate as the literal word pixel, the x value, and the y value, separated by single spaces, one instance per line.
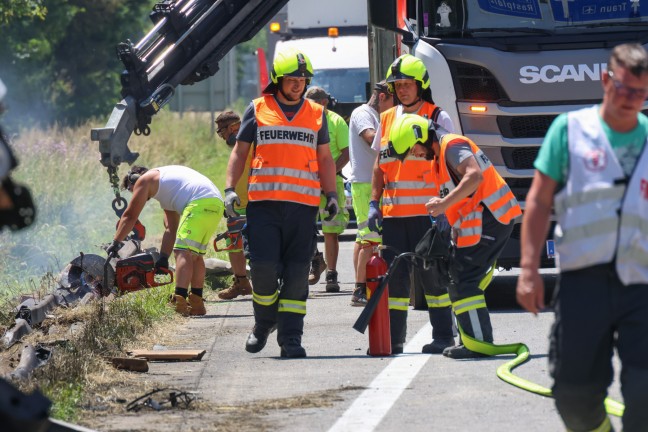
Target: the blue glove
pixel 332 206
pixel 231 198
pixel 375 217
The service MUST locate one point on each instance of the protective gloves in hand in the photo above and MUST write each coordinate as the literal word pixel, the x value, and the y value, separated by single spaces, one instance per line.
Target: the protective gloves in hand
pixel 162 264
pixel 231 198
pixel 332 206
pixel 113 249
pixel 374 219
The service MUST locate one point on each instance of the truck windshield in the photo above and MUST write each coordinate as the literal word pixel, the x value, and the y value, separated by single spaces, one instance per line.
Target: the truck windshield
pixel 345 85
pixel 492 18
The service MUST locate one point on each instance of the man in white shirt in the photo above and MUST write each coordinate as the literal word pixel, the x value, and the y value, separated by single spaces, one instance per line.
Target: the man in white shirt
pixel 364 144
pixel 193 207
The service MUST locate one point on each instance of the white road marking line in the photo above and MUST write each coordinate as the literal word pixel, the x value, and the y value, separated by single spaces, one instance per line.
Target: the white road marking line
pixel 368 410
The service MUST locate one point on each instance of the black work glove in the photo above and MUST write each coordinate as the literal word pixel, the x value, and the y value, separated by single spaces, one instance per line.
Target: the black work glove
pixel 231 198
pixel 332 206
pixel 162 265
pixel 374 218
pixel 113 249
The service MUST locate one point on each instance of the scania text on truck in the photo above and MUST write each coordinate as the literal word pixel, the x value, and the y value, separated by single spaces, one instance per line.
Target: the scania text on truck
pixel 504 70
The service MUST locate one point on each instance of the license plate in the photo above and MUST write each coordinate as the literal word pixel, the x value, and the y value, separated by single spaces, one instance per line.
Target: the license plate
pixel 551 249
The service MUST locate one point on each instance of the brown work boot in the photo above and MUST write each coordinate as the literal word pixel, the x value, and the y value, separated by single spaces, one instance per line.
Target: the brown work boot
pixel 196 305
pixel 318 266
pixel 240 287
pixel 180 304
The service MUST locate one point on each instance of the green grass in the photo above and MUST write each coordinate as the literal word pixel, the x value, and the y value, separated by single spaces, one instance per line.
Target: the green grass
pixel 66 398
pixel 73 195
pixel 73 198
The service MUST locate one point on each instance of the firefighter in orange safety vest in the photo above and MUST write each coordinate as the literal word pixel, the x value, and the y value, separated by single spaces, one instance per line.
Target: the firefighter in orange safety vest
pixel 479 206
pixel 404 190
pixel 292 163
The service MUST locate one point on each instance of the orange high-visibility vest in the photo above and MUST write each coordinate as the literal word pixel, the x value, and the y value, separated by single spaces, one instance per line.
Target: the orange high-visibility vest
pixel 408 185
pixel 493 192
pixel 284 167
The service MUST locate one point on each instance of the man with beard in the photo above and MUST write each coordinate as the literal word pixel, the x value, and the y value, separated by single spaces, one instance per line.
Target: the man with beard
pixel 229 123
pixel 292 163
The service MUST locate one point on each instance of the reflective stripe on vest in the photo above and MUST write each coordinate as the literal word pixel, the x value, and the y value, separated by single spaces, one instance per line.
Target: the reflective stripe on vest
pixel 589 230
pixel 408 185
pixel 285 167
pixel 493 192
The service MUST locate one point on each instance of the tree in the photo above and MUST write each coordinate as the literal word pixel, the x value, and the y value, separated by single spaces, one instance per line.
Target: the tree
pixel 65 69
pixel 11 10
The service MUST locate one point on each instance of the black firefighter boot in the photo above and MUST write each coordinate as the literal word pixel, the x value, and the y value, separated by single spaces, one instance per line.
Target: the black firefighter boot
pixel 265 316
pixel 398 328
pixel 289 334
pixel 442 337
pixel 473 322
pixel 258 337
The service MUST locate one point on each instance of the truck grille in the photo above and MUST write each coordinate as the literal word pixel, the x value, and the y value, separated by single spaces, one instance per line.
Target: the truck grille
pixel 525 126
pixel 520 158
pixel 474 83
pixel 517 231
pixel 519 187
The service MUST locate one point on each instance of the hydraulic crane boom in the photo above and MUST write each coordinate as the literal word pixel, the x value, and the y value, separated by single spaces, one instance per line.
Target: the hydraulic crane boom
pixel 187 41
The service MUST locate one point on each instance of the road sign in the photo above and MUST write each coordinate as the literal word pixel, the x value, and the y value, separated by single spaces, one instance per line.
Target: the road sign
pixel 597 10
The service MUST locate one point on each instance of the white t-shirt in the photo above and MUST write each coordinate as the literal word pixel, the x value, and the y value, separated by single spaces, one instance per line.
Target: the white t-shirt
pixel 179 185
pixel 363 157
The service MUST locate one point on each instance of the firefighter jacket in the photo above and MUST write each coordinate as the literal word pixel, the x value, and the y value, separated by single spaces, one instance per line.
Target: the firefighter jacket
pixel 285 167
pixel 493 192
pixel 408 185
pixel 600 213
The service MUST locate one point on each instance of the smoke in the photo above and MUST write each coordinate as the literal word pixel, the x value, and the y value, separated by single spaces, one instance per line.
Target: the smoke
pixel 73 200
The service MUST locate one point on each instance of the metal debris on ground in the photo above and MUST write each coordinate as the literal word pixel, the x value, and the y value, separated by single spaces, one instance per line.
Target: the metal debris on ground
pixel 175 399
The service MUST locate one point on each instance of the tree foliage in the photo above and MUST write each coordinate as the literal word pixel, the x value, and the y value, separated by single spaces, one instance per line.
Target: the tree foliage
pixel 64 67
pixel 11 10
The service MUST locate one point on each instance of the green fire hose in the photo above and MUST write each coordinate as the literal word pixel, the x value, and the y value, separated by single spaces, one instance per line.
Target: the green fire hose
pixel 505 372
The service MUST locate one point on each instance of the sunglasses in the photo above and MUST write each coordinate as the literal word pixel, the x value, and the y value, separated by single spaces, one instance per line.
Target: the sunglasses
pixel 219 131
pixel 625 91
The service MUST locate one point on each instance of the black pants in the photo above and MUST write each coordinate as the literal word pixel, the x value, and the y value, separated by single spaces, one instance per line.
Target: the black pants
pixel 596 313
pixel 403 234
pixel 280 240
pixel 468 266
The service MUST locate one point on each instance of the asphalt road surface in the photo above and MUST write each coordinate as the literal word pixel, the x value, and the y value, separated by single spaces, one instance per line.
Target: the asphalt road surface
pixel 338 387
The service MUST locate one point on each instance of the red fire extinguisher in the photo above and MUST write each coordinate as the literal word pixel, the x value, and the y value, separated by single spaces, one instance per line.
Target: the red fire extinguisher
pixel 379 333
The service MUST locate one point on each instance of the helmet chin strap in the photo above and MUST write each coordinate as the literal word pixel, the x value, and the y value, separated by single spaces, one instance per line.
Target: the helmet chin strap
pixel 418 99
pixel 419 93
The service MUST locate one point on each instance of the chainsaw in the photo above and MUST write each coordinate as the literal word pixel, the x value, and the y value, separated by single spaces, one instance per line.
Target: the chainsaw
pixel 134 269
pixel 233 236
pixel 138 272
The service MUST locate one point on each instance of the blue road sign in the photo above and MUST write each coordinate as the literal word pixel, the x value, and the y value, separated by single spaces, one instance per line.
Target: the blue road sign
pixel 597 10
pixel 518 8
